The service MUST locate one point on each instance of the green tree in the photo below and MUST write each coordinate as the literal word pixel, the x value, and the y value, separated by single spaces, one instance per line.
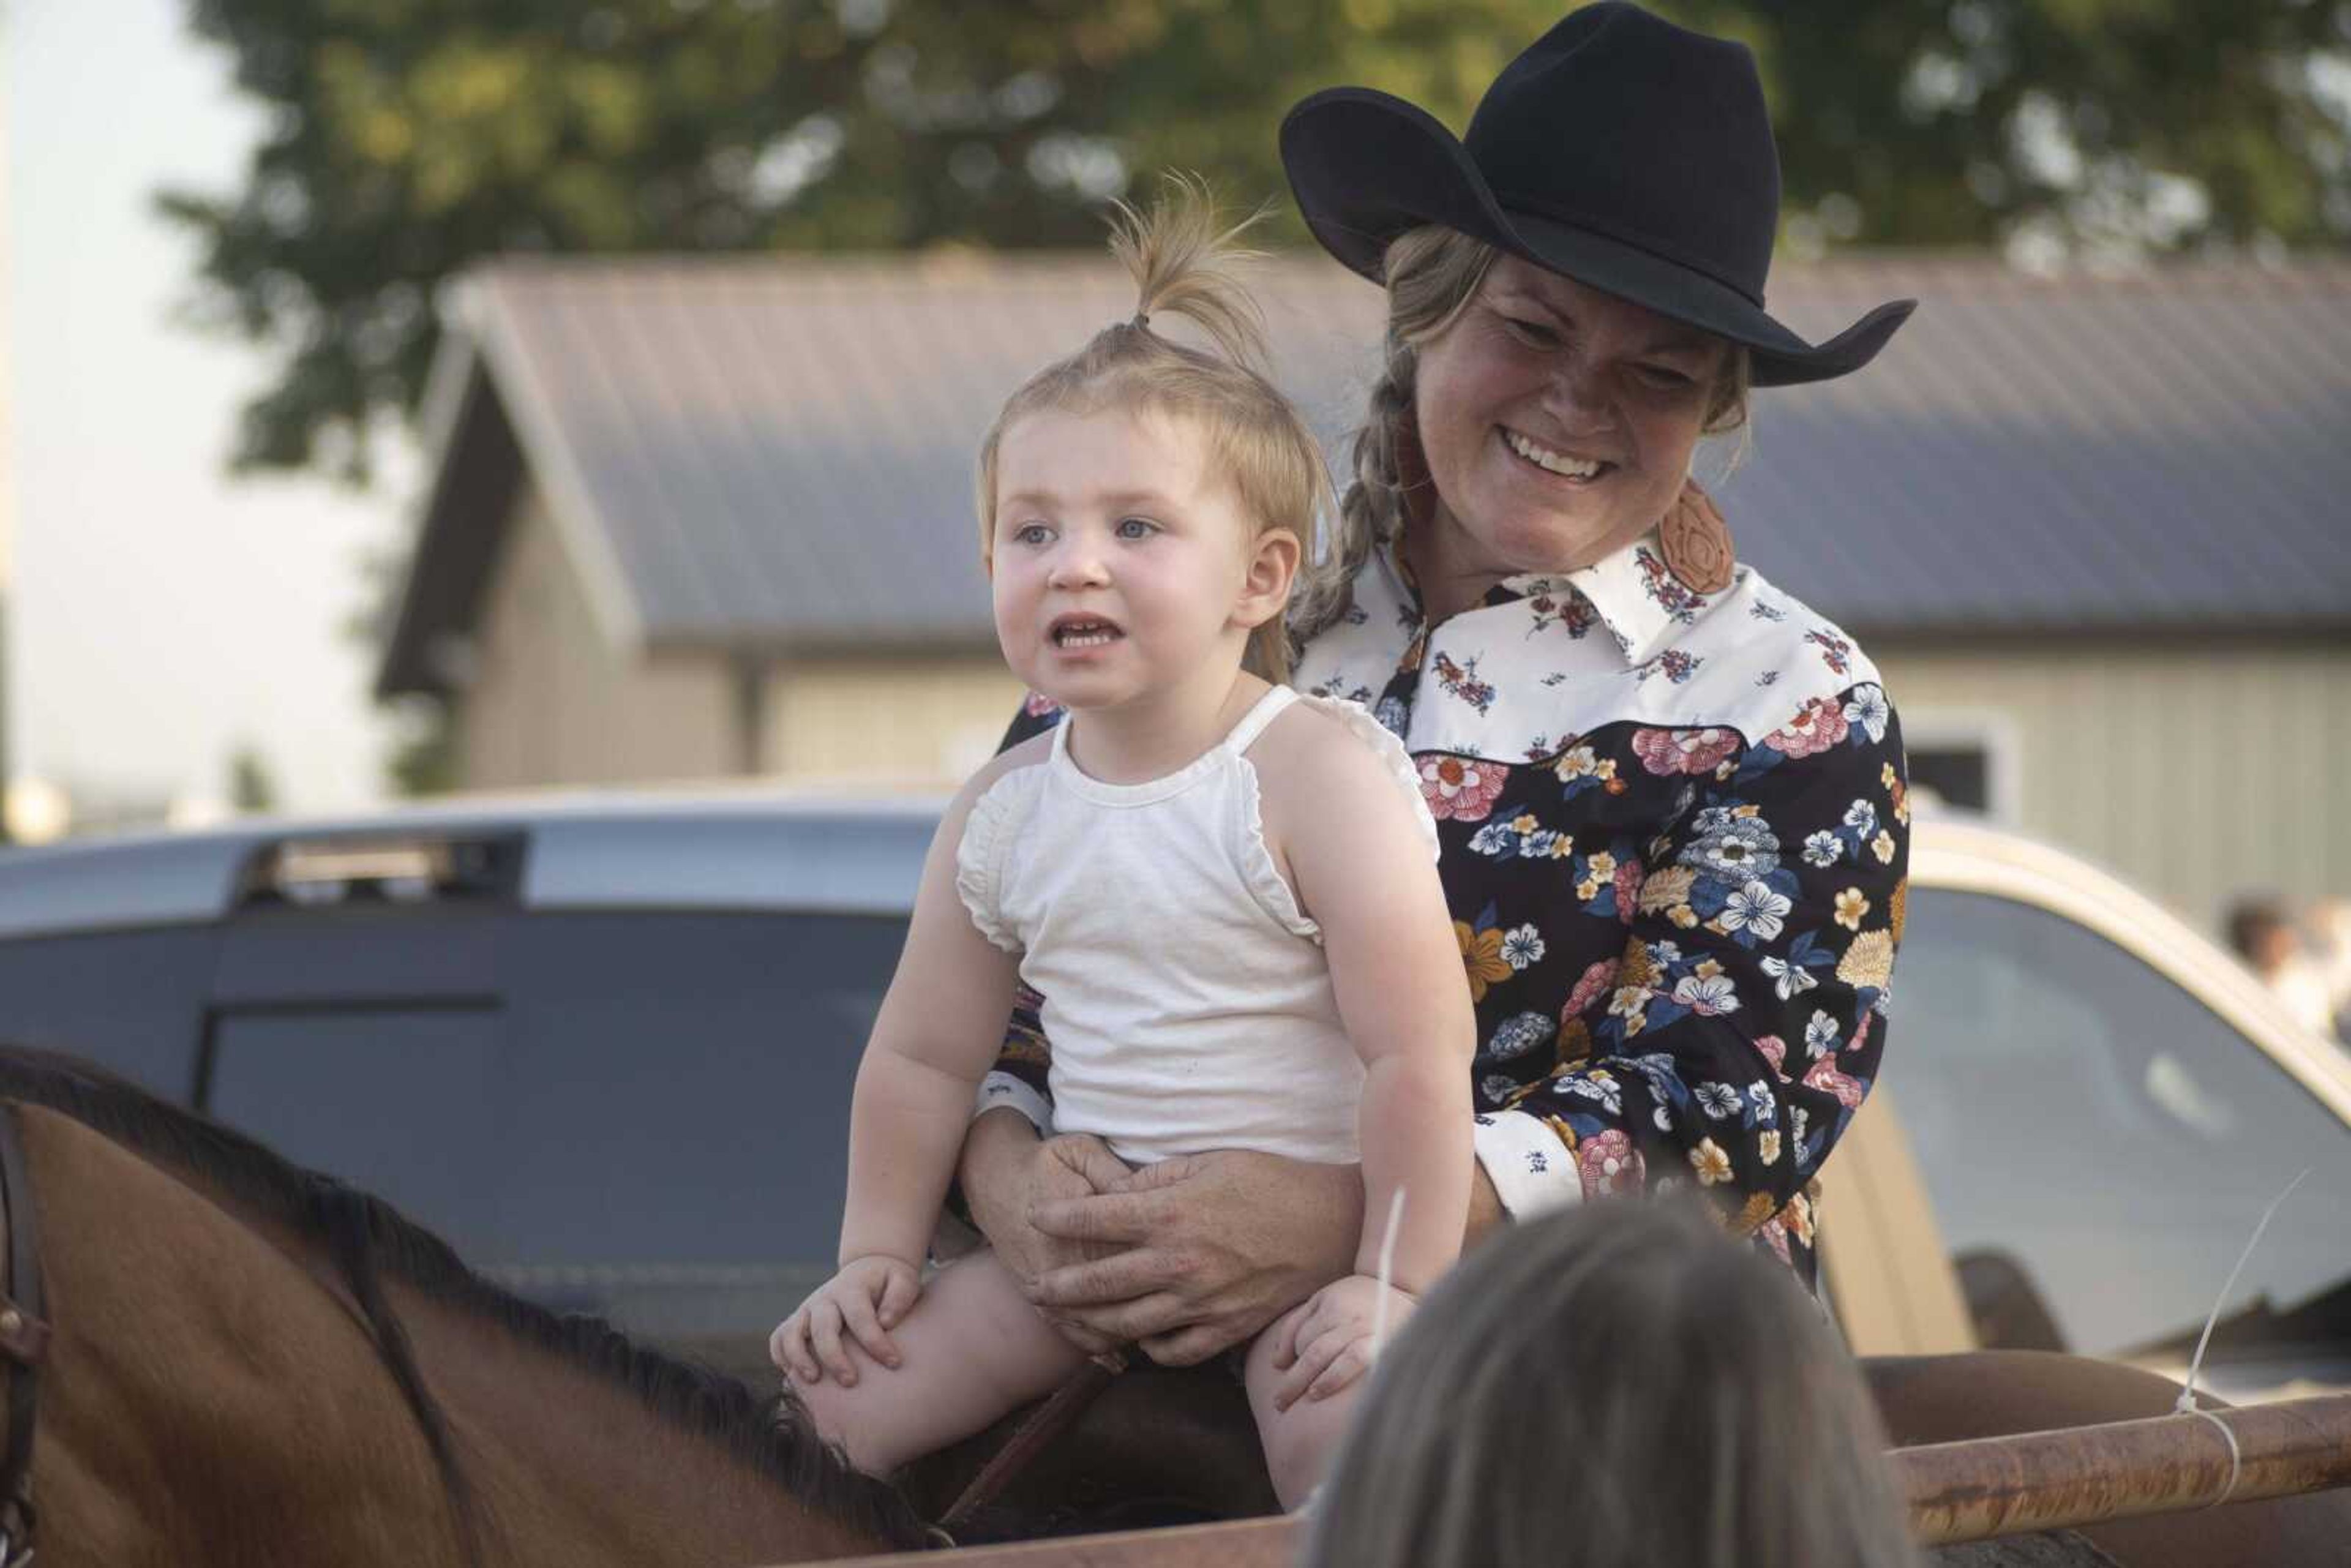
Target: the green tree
pixel 2124 127
pixel 412 136
pixel 251 786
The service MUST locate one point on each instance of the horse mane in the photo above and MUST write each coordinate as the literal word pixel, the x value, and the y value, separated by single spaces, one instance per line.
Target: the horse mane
pixel 369 1240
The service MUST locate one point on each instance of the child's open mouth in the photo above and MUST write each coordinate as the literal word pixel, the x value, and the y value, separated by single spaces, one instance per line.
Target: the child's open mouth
pixel 1583 470
pixel 1084 632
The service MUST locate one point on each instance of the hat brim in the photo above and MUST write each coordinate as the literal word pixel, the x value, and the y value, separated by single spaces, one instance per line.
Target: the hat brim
pixel 1367 166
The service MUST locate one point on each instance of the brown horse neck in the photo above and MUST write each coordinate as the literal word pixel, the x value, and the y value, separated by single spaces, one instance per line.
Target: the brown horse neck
pixel 203 1402
pixel 214 1397
pixel 578 1469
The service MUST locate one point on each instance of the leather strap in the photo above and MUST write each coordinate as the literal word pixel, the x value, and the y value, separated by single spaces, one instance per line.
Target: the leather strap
pixel 1048 1421
pixel 23 1339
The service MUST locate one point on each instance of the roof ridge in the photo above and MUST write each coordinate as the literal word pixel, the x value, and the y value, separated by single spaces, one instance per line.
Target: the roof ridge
pixel 1979 271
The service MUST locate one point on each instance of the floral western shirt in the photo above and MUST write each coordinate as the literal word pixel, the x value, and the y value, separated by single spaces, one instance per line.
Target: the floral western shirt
pixel 1675 831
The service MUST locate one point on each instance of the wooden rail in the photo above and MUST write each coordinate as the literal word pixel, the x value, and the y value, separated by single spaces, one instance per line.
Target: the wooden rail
pixel 2046 1481
pixel 1956 1491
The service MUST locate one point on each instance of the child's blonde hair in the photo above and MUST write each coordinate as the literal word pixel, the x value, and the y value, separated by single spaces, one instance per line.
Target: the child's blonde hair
pixel 1619 1386
pixel 1182 260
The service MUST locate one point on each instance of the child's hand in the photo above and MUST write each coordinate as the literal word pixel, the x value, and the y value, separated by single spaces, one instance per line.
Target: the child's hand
pixel 1326 1344
pixel 868 1298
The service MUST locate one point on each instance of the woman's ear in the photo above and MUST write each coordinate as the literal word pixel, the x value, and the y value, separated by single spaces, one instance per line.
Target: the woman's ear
pixel 1265 588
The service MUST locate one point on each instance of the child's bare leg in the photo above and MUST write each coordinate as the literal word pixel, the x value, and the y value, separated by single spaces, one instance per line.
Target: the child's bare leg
pixel 972 1349
pixel 1299 1441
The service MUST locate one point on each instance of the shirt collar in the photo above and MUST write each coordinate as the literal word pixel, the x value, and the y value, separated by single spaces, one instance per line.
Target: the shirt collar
pixel 1632 593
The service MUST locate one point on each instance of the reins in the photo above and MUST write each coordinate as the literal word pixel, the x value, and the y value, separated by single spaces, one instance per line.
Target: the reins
pixel 1048 1421
pixel 23 1341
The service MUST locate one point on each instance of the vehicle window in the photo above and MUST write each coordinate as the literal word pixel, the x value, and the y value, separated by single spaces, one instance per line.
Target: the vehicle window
pixel 132 1002
pixel 690 1080
pixel 408 1104
pixel 653 1126
pixel 2074 1108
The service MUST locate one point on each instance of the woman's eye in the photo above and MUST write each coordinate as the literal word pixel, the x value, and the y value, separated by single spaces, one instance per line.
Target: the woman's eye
pixel 1664 378
pixel 1534 334
pixel 1136 527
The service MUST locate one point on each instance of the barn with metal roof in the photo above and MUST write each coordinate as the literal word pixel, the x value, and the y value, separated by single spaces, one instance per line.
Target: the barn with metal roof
pixel 715 517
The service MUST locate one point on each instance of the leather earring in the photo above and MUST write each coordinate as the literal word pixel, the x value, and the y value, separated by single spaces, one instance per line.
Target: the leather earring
pixel 1696 541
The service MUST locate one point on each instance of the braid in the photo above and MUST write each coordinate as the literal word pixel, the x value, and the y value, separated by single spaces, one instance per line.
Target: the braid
pixel 1371 511
pixel 1431 274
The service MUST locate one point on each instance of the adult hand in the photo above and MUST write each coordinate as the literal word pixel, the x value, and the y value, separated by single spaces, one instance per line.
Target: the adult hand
pixel 1009 1173
pixel 1199 1253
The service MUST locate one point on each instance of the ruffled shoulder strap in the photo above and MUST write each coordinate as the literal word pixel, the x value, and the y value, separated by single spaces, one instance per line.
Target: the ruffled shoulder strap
pixel 989 831
pixel 1394 757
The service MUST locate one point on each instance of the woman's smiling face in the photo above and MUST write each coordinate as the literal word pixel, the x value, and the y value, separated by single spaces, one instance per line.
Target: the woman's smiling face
pixel 1558 423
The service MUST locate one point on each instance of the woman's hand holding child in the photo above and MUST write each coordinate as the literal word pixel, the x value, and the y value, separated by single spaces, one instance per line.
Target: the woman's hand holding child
pixel 1326 1344
pixel 867 1298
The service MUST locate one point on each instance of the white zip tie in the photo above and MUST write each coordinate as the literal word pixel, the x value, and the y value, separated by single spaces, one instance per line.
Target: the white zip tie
pixel 2185 1402
pixel 2236 1459
pixel 1387 1271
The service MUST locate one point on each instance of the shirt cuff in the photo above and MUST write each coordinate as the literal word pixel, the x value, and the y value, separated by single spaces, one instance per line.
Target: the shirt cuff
pixel 1530 1167
pixel 1002 1089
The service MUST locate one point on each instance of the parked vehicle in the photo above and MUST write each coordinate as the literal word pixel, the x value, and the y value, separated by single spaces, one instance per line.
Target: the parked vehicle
pixel 2087 1108
pixel 604 1043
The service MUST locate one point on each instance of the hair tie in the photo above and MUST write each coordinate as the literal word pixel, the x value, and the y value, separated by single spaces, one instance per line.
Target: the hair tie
pixel 1141 322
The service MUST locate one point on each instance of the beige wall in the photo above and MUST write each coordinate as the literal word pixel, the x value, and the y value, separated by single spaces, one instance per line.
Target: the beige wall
pixel 916 721
pixel 2199 772
pixel 552 702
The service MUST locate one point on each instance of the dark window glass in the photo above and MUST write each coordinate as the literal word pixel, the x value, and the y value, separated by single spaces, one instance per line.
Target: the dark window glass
pixel 412 1106
pixel 132 1002
pixel 652 1126
pixel 2077 1110
pixel 1958 775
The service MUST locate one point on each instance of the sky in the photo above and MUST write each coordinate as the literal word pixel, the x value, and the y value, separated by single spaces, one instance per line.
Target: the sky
pixel 162 614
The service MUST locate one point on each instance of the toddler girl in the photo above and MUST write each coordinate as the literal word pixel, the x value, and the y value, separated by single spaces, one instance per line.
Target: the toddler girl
pixel 1225 891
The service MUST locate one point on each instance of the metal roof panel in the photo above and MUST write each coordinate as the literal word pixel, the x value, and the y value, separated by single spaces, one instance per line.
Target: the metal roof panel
pixel 777 452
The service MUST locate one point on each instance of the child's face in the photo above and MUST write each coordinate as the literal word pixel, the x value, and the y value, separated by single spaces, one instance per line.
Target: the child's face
pixel 1122 568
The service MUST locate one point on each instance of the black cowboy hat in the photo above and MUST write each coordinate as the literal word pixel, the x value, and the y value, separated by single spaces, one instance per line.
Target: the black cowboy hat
pixel 1619 150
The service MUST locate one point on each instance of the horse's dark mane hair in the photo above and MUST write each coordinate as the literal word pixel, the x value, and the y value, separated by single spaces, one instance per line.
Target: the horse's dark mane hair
pixel 369 1240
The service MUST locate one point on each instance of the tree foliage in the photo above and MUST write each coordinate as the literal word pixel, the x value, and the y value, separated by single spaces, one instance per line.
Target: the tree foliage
pixel 252 787
pixel 410 138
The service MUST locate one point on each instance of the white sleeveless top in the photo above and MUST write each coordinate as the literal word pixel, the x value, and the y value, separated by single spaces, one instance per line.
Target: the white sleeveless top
pixel 1187 997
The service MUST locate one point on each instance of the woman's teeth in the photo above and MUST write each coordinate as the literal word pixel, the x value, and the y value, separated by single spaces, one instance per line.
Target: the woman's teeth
pixel 1544 458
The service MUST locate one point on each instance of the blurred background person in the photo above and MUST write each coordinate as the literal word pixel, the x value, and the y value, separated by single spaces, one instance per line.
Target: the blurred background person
pixel 2262 931
pixel 2329 926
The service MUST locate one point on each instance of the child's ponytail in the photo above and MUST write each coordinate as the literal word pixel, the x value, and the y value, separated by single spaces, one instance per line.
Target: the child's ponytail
pixel 1185 265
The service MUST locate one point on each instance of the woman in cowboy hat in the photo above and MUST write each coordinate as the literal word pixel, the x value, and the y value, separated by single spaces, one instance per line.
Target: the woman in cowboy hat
pixel 1674 817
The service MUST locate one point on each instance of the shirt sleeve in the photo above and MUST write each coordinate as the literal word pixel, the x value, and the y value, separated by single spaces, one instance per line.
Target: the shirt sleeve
pixel 1728 1044
pixel 1018 1080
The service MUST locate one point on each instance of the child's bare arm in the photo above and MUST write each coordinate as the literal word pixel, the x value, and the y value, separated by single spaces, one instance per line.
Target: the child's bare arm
pixel 1363 868
pixel 935 1037
pixel 937 1031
